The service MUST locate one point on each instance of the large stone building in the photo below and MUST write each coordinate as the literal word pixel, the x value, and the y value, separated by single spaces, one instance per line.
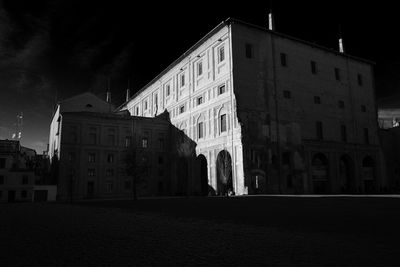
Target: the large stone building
pixel 270 113
pixel 88 146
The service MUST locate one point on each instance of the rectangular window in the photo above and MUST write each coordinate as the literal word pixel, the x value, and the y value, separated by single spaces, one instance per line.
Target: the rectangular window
pixel 24 179
pixel 221 89
pixel 341 104
pixel 221 54
pixel 91 172
pixel 319 130
pixel 287 94
pixel 160 160
pixel 181 109
pixel 24 194
pixel 223 123
pixel 145 105
pixel 109 187
pixel 249 50
pixel 199 100
pixel 283 59
pixel 359 79
pixel 317 100
pixel 144 142
pixel 110 158
pixel 200 129
pixel 366 136
pixel 313 67
pixel 343 133
pixel 182 79
pixel 337 74
pixel 1 179
pixel 2 163
pixel 168 89
pixel 91 157
pixel 363 108
pixel 137 111
pixel 199 68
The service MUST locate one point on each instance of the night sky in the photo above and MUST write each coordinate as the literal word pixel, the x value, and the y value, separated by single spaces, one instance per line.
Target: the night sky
pixel 50 50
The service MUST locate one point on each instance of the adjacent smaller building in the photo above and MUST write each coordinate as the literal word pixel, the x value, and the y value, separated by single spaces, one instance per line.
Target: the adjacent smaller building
pixel 17 174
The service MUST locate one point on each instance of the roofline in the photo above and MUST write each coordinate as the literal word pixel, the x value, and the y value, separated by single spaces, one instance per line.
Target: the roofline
pixel 224 23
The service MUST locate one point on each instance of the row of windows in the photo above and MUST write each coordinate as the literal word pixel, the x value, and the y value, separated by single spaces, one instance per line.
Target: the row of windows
pixel 23 194
pixel 317 100
pixel 343 132
pixel 222 126
pixel 200 99
pixel 314 68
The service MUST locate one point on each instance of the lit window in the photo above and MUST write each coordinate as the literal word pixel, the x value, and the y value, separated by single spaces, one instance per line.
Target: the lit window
pixel 223 123
pixel 221 89
pixel 221 54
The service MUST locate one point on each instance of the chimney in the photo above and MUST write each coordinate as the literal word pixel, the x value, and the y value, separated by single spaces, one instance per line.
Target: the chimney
pixel 271 25
pixel 127 95
pixel 108 96
pixel 341 47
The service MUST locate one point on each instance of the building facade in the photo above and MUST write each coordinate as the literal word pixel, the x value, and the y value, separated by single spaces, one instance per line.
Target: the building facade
pixel 269 113
pixel 89 144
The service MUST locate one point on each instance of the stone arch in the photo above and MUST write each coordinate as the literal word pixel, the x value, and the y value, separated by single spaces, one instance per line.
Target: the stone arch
pixel 320 174
pixel 203 173
pixel 369 174
pixel 347 180
pixel 224 173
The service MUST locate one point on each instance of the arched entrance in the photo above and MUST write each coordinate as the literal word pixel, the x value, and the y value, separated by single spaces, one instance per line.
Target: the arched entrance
pixel 368 174
pixel 346 175
pixel 224 173
pixel 320 175
pixel 202 163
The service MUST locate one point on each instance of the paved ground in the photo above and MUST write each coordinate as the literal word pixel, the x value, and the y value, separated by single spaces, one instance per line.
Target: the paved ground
pixel 241 231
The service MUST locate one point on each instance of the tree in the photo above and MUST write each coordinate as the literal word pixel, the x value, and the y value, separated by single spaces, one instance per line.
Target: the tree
pixel 136 168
